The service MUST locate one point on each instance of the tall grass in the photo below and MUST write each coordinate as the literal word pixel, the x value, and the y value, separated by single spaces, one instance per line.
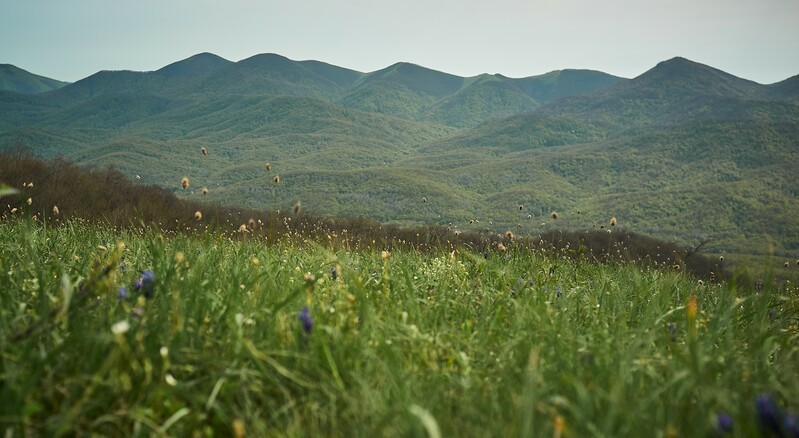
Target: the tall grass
pixel 520 343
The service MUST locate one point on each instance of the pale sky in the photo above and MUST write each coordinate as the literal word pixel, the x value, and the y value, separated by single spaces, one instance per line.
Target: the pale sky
pixel 72 39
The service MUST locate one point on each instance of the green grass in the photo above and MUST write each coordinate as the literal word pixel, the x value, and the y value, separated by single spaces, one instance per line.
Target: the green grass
pixel 467 344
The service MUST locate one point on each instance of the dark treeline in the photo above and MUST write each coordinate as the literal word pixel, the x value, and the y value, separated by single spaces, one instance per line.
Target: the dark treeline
pixel 107 196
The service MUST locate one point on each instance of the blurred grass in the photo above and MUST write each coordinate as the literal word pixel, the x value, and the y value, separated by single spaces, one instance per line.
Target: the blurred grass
pixel 521 343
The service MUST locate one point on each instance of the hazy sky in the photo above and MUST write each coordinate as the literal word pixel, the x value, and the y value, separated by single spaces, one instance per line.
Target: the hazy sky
pixel 72 39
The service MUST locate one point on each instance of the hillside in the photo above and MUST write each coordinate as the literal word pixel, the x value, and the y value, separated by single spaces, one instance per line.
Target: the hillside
pixel 18 80
pixel 683 151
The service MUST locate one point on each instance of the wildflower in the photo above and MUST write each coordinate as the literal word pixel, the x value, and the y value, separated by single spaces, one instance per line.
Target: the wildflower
pixel 277 179
pixel 305 317
pixel 198 215
pixel 673 329
pixel 120 328
pixel 184 182
pixel 268 167
pixel 238 429
pixel 30 201
pixel 204 151
pixel 146 284
pixel 205 190
pixel 138 177
pixel 385 255
pixel 243 228
pixel 613 221
pixel 690 309
pixel 30 185
pixel 297 207
pixel 509 234
pixel 723 422
pixel 170 380
pixel 768 414
pixel 55 210
pixel 123 293
pixel 554 215
pixel 501 247
pixel 791 425
pixel 334 273
pixel 13 210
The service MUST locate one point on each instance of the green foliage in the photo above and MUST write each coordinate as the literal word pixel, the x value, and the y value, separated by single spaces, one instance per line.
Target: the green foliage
pixel 518 343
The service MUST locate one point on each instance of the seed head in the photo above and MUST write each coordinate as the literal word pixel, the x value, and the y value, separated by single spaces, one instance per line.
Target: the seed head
pixel 424 200
pixel 198 215
pixel 613 221
pixel 138 177
pixel 554 215
pixel 501 247
pixel 55 210
pixel 251 223
pixel 205 190
pixel 521 207
pixel 385 255
pixel 184 182
pixel 204 151
pixel 721 259
pixel 277 179
pixel 243 228
pixel 268 167
pixel 30 201
pixel 509 234
pixel 297 207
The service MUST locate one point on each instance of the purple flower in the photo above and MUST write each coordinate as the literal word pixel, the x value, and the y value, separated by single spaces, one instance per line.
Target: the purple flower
pixel 673 329
pixel 305 318
pixel 723 422
pixel 123 293
pixel 146 284
pixel 768 414
pixel 791 426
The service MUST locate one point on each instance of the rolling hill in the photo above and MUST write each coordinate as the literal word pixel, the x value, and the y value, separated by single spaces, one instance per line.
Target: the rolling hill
pixel 15 79
pixel 683 151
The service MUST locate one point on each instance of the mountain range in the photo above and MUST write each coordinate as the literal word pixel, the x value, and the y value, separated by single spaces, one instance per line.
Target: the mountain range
pixel 683 151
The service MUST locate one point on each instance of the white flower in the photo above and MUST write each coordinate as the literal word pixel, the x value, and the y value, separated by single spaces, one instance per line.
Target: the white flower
pixel 120 328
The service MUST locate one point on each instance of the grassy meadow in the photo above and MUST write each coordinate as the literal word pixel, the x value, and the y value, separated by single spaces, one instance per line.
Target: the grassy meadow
pixel 135 332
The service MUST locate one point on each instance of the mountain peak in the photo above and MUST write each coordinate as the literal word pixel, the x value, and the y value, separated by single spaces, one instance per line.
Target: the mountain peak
pixel 13 78
pixel 194 65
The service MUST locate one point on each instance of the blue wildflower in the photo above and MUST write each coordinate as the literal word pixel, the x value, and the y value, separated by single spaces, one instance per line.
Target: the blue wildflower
pixel 673 329
pixel 772 313
pixel 146 284
pixel 123 293
pixel 723 422
pixel 791 426
pixel 768 414
pixel 305 317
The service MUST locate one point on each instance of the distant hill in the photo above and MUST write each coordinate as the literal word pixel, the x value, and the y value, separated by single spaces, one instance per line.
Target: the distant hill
pixel 684 151
pixel 20 81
